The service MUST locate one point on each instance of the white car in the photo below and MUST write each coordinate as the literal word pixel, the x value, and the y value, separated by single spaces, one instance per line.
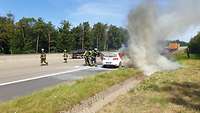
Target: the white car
pixel 112 59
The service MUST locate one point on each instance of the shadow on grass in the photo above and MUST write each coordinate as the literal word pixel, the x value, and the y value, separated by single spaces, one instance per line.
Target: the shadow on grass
pixel 186 94
pixel 195 56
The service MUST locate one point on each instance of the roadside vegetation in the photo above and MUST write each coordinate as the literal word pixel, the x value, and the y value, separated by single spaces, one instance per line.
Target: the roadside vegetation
pixel 164 92
pixel 65 96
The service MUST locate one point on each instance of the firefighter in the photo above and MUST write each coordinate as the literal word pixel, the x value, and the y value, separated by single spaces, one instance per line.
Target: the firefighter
pixel 188 52
pixel 86 56
pixel 43 58
pixel 65 56
pixel 94 54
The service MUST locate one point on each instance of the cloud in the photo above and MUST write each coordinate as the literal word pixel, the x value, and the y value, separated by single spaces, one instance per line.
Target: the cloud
pixel 107 11
pixel 99 9
pixel 190 33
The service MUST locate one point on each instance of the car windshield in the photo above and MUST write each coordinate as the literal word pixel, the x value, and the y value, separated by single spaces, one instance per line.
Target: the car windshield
pixel 110 54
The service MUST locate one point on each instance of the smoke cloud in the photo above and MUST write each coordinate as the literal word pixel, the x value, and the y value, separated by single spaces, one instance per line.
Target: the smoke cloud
pixel 149 24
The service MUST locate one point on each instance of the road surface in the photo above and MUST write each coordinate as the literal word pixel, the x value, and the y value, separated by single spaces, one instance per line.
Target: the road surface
pixel 21 75
pixel 12 90
pixel 19 67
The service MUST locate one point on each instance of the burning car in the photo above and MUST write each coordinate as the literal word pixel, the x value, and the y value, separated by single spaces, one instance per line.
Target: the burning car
pixel 112 59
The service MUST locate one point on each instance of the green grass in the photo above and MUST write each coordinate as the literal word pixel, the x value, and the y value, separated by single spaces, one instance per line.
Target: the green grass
pixel 65 96
pixel 164 92
pixel 181 56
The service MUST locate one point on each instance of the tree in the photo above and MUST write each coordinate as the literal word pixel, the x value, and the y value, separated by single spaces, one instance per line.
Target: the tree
pixel 43 32
pixel 52 35
pixel 116 37
pixel 86 35
pixel 23 41
pixel 65 40
pixel 7 32
pixel 99 34
pixel 194 44
pixel 76 34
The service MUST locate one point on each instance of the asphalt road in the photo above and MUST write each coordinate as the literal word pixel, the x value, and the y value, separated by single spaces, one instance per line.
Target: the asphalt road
pixel 14 68
pixel 11 90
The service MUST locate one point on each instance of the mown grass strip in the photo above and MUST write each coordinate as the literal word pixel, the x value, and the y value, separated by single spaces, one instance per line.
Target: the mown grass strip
pixel 65 96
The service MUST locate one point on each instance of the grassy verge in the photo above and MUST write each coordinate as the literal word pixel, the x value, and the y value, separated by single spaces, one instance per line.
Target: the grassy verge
pixel 64 96
pixel 165 92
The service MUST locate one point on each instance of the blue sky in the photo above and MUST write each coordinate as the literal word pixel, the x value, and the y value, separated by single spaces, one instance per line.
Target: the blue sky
pixel 76 11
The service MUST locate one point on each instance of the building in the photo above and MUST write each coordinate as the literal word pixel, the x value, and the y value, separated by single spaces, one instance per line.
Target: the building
pixel 173 46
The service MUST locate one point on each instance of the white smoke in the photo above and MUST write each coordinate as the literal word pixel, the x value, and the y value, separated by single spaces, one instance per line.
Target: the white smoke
pixel 148 26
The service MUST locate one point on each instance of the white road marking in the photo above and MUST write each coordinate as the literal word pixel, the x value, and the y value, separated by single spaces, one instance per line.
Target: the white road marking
pixel 44 76
pixel 77 66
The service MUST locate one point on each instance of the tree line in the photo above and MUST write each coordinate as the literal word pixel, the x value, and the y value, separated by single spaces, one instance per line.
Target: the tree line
pixel 30 35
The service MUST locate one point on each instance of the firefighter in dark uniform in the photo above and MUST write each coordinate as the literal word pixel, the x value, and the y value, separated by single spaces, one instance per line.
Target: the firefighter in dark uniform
pixel 94 54
pixel 65 56
pixel 86 56
pixel 43 58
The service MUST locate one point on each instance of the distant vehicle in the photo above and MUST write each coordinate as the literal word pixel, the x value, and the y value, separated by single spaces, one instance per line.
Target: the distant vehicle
pixel 112 59
pixel 78 54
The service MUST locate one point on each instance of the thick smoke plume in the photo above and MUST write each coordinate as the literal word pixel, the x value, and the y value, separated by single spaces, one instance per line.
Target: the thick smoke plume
pixel 149 25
